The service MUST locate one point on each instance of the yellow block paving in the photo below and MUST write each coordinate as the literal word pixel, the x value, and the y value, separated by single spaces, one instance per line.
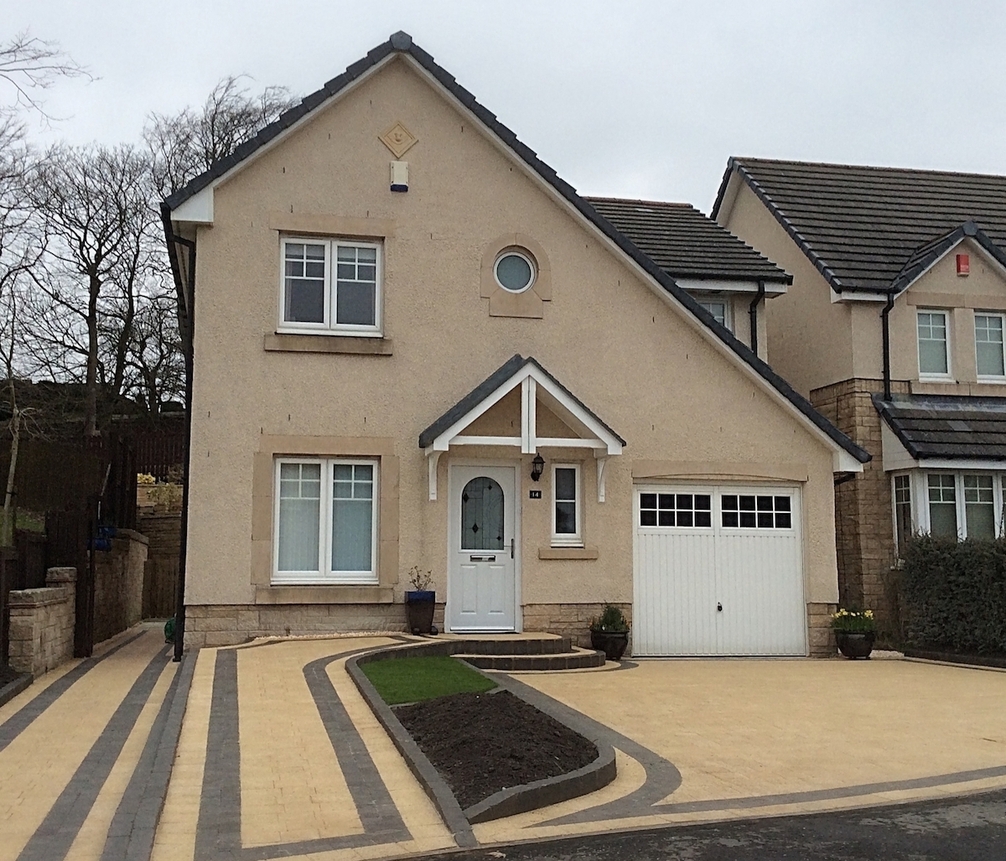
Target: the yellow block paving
pixel 744 728
pixel 90 840
pixel 292 787
pixel 421 817
pixel 38 764
pixel 175 839
pixel 287 763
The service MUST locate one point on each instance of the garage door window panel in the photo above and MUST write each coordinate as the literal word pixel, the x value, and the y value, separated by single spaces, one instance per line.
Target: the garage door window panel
pixel 688 510
pixel 756 511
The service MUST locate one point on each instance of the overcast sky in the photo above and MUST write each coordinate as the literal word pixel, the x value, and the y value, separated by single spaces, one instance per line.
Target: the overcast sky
pixel 634 98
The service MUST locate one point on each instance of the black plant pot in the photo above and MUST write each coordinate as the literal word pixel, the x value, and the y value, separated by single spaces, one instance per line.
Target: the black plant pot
pixel 419 607
pixel 612 643
pixel 855 644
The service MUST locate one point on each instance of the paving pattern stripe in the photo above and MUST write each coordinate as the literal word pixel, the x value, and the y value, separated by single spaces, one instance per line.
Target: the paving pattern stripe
pixel 662 777
pixel 18 722
pixel 861 790
pixel 54 837
pixel 218 832
pixel 131 833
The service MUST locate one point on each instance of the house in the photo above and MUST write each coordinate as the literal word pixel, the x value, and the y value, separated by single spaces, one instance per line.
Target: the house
pixel 415 345
pixel 893 328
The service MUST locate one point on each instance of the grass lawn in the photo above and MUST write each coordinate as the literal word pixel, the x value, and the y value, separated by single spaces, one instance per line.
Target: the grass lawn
pixel 412 680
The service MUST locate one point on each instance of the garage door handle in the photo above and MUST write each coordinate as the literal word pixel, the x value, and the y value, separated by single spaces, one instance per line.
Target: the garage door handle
pixel 719 607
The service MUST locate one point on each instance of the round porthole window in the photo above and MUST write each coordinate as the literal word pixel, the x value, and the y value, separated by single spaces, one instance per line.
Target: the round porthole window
pixel 514 271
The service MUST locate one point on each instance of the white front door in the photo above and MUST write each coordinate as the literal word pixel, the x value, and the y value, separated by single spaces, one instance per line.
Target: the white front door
pixel 481 584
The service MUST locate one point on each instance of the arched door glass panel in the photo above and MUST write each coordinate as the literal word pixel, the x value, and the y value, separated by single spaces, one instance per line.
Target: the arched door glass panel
pixel 482 515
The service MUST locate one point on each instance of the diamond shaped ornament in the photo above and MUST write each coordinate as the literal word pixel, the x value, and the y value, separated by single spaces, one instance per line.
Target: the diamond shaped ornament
pixel 398 139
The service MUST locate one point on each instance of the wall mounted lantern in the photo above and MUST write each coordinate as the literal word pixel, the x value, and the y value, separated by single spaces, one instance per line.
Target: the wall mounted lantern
pixel 537 465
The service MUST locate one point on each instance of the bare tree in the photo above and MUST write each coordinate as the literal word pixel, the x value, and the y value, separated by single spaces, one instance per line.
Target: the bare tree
pixel 93 203
pixel 185 144
pixel 29 65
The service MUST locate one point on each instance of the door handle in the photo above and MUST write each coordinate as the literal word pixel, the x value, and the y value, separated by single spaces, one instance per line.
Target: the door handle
pixel 482 558
pixel 511 548
pixel 719 607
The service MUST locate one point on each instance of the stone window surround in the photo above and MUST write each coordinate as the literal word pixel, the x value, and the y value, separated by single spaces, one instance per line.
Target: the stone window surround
pixel 263 491
pixel 503 303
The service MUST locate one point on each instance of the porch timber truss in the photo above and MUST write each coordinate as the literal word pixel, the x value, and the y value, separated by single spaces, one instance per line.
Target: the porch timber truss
pixel 536 385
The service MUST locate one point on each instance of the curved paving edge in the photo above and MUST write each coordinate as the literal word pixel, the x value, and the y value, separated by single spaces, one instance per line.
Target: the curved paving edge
pixel 506 802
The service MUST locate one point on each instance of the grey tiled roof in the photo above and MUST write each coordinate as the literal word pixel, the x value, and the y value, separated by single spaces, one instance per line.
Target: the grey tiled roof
pixel 687 244
pixel 947 427
pixel 862 225
pixel 402 43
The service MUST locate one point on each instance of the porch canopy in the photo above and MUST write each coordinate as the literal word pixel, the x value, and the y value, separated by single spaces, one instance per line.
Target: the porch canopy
pixel 536 386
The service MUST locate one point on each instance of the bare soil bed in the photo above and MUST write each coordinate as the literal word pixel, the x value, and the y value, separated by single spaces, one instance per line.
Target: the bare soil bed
pixel 482 743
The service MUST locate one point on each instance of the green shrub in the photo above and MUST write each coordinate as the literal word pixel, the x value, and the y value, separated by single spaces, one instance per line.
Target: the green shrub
pixel 953 595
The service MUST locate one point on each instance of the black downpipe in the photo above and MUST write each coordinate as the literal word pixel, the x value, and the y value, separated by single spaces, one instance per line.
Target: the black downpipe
pixel 187 349
pixel 886 325
pixel 753 316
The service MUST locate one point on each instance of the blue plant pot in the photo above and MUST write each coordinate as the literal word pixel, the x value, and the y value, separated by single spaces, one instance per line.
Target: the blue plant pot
pixel 419 607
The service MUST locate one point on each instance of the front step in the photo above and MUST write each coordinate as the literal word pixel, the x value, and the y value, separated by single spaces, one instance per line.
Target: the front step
pixel 504 644
pixel 571 659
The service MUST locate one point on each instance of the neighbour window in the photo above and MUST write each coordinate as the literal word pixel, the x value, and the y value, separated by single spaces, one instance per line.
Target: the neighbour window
pixel 979 507
pixel 331 285
pixel 932 327
pixel 756 512
pixel 989 345
pixel 326 521
pixel 942 505
pixel 902 510
pixel 675 509
pixel 717 309
pixel 566 505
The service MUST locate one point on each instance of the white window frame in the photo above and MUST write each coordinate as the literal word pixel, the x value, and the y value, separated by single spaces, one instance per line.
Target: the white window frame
pixel 324 575
pixel 705 301
pixel 927 375
pixel 328 326
pixel 568 539
pixel 990 378
pixel 919 490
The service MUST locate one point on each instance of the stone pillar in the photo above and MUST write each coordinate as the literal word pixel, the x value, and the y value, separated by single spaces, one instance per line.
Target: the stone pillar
pixel 42 623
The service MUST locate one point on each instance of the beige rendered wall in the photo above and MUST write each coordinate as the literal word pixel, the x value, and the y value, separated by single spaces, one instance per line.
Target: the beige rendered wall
pixel 617 346
pixel 809 337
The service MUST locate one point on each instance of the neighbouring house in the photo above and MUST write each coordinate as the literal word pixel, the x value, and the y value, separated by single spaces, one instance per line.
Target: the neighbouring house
pixel 893 328
pixel 415 345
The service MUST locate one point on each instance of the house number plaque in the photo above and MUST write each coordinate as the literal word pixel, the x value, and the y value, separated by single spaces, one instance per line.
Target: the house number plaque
pixel 535 494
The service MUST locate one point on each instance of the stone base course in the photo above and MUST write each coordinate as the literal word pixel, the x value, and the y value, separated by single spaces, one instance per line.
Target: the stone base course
pixel 568 620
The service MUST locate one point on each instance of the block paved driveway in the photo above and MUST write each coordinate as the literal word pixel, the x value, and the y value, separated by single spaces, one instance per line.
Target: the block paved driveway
pixel 268 751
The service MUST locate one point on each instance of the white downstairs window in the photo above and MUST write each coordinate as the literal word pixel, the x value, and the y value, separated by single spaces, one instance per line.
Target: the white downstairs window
pixel 953 504
pixel 325 521
pixel 566 505
pixel 331 286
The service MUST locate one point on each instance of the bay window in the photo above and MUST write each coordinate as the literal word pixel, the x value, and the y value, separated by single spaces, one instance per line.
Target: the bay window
pixel 947 504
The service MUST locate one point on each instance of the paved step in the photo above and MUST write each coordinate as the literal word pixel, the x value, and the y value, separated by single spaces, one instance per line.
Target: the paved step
pixel 516 645
pixel 574 659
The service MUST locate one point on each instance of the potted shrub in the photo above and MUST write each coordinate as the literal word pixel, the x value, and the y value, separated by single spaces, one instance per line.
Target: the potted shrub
pixel 420 602
pixel 855 632
pixel 609 632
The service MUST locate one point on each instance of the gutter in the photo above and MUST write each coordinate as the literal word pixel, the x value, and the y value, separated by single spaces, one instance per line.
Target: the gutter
pixel 753 316
pixel 886 326
pixel 187 329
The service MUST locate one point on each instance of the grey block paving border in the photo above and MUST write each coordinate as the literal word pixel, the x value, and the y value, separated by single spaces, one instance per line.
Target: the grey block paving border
pixel 132 830
pixel 507 802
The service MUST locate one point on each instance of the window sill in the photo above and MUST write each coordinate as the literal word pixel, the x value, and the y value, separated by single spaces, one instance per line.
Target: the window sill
pixel 588 552
pixel 328 343
pixel 282 594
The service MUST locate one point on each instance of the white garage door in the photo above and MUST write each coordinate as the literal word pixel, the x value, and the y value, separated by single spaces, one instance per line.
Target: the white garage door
pixel 718 571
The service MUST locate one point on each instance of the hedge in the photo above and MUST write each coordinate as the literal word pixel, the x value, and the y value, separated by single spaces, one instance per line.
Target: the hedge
pixel 953 595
